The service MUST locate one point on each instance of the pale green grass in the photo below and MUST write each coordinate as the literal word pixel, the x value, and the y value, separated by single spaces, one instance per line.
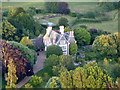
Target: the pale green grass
pixel 110 26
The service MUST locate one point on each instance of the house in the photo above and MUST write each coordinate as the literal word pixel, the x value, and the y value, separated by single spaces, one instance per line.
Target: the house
pixel 60 38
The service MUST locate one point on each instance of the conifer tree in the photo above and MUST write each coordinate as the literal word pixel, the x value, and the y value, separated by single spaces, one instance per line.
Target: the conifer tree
pixel 12 78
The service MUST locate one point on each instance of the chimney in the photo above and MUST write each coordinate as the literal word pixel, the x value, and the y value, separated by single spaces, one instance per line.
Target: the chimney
pixel 72 33
pixel 61 29
pixel 48 30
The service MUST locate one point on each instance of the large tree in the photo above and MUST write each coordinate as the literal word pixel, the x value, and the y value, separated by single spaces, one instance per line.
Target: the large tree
pixel 89 76
pixel 73 48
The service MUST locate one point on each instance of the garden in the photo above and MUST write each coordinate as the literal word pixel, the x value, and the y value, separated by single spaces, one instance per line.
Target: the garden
pixel 93 61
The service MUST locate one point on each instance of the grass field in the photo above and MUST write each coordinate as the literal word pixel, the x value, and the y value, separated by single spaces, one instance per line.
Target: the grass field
pixel 110 26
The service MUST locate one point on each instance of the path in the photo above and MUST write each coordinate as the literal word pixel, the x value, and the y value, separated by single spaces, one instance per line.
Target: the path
pixel 37 66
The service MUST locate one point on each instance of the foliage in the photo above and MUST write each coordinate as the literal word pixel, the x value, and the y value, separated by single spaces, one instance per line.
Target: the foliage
pixel 52 7
pixel 9 31
pixel 33 47
pixel 73 48
pixel 53 83
pixel 29 54
pixel 90 14
pixel 63 8
pixel 51 61
pixel 118 82
pixel 53 49
pixel 23 66
pixel 106 63
pixel 63 21
pixel 83 26
pixel 82 36
pixel 28 85
pixel 89 76
pixel 35 81
pixel 12 77
pixel 25 41
pixel 67 61
pixel 107 44
pixel 67 29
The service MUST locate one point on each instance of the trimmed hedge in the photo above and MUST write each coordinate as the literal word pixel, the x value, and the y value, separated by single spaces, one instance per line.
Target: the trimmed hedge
pixel 29 54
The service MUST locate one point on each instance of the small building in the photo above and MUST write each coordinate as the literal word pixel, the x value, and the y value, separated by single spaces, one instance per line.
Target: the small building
pixel 60 38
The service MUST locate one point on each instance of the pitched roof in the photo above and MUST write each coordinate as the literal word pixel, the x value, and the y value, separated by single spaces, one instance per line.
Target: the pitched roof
pixel 38 42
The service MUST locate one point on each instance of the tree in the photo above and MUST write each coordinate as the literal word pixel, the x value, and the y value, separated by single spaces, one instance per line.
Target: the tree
pixel 54 49
pixel 8 31
pixel 51 61
pixel 53 82
pixel 29 54
pixel 67 29
pixel 67 61
pixel 73 48
pixel 63 21
pixel 89 76
pixel 12 77
pixel 63 8
pixel 52 7
pixel 82 36
pixel 25 41
pixel 35 81
pixel 107 45
pixel 23 66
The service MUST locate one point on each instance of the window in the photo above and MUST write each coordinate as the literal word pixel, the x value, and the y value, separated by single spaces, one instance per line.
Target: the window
pixel 62 42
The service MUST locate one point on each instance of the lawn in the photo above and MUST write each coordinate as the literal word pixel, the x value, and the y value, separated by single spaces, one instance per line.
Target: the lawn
pixel 110 26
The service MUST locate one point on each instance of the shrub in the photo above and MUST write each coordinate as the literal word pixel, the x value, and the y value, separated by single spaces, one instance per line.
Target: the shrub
pixel 25 41
pixel 90 14
pixel 51 61
pixel 53 83
pixel 82 36
pixel 73 48
pixel 89 20
pixel 83 26
pixel 35 81
pixel 63 21
pixel 54 49
pixel 29 54
pixel 73 14
pixel 32 47
pixel 67 29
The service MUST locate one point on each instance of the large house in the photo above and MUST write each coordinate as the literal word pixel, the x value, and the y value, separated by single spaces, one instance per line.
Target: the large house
pixel 60 38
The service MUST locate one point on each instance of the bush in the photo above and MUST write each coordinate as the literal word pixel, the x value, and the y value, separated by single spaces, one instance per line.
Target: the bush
pixel 35 81
pixel 82 36
pixel 89 20
pixel 32 47
pixel 29 54
pixel 28 86
pixel 51 61
pixel 53 83
pixel 63 21
pixel 90 14
pixel 54 49
pixel 83 26
pixel 73 14
pixel 73 48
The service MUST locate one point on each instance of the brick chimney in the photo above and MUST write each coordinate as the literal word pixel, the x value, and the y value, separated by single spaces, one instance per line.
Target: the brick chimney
pixel 61 29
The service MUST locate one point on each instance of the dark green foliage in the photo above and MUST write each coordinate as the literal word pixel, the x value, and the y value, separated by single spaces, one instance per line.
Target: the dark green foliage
pixel 73 48
pixel 32 47
pixel 5 13
pixel 83 26
pixel 29 54
pixel 54 49
pixel 53 83
pixel 63 21
pixel 52 7
pixel 82 36
pixel 67 61
pixel 51 61
pixel 89 20
pixel 90 14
